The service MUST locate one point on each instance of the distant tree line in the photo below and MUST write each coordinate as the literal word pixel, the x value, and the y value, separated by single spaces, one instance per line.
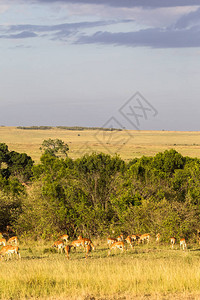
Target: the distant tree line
pixel 97 194
pixel 75 128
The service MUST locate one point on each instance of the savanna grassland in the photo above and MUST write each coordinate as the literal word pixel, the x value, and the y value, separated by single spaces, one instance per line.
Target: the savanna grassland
pixel 146 272
pixel 128 144
pixel 152 186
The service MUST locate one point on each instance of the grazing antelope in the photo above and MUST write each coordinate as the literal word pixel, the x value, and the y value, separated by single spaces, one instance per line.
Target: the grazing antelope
pixel 76 243
pixel 13 240
pixel 145 237
pixel 172 241
pixel 85 242
pixel 183 244
pixel 3 242
pixel 64 237
pixel 120 238
pixel 129 241
pixel 119 245
pixel 110 241
pixel 88 249
pixel 59 245
pixel 9 250
pixel 158 237
pixel 136 237
pixel 67 250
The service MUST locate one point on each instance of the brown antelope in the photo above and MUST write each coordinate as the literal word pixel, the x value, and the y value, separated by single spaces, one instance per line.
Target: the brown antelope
pixel 120 238
pixel 129 241
pixel 67 250
pixel 85 242
pixel 145 237
pixel 9 250
pixel 59 245
pixel 158 237
pixel 183 244
pixel 136 238
pixel 88 249
pixel 3 242
pixel 64 237
pixel 110 241
pixel 76 243
pixel 119 245
pixel 172 241
pixel 13 240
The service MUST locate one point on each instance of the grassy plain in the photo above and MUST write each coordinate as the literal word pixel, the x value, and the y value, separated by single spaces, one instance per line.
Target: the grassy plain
pixel 128 144
pixel 146 272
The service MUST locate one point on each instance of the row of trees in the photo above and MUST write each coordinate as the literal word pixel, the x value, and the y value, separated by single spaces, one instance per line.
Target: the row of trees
pixel 98 194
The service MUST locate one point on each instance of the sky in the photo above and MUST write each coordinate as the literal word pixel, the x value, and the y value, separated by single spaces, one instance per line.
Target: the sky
pixel 131 64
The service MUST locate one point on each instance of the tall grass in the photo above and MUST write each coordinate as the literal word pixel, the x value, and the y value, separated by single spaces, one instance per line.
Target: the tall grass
pixel 150 271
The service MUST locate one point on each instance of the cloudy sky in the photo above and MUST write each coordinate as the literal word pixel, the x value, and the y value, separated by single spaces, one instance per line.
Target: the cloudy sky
pixel 121 63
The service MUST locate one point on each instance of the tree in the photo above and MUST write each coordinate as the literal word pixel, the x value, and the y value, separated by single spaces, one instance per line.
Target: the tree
pixel 55 147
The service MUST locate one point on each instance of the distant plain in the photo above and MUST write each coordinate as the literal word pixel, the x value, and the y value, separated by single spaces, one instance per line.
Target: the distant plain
pixel 127 143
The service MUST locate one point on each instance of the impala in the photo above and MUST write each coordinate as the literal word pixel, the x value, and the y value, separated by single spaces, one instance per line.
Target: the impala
pixel 136 237
pixel 183 244
pixel 110 241
pixel 119 245
pixel 88 249
pixel 59 245
pixel 158 237
pixel 3 242
pixel 129 241
pixel 120 238
pixel 76 243
pixel 64 237
pixel 173 241
pixel 13 240
pixel 145 237
pixel 67 250
pixel 85 242
pixel 9 250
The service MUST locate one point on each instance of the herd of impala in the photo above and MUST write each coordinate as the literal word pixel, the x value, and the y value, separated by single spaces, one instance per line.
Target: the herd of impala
pixel 11 246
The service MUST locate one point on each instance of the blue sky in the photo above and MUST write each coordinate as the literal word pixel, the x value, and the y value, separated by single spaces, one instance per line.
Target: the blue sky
pixel 79 62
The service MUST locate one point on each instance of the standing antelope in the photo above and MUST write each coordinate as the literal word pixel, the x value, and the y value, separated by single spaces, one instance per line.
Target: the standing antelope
pixel 13 240
pixel 120 238
pixel 64 237
pixel 110 241
pixel 3 242
pixel 85 242
pixel 129 241
pixel 67 250
pixel 88 249
pixel 145 237
pixel 172 241
pixel 76 243
pixel 136 237
pixel 59 245
pixel 183 244
pixel 119 245
pixel 9 250
pixel 158 237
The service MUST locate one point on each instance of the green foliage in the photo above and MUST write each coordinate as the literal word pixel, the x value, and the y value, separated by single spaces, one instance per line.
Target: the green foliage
pixel 98 193
pixel 15 164
pixel 55 147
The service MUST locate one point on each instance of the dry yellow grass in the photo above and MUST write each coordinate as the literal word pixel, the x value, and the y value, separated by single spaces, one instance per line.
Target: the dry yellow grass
pixel 147 272
pixel 128 144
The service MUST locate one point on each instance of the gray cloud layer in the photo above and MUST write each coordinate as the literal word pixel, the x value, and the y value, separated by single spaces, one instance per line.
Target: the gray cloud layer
pixel 184 33
pixel 55 31
pixel 154 37
pixel 129 3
